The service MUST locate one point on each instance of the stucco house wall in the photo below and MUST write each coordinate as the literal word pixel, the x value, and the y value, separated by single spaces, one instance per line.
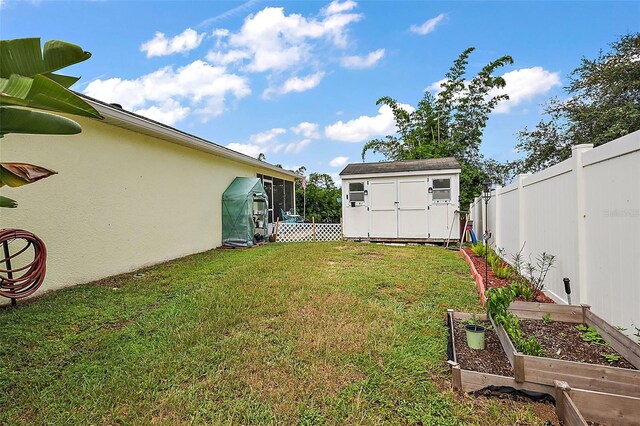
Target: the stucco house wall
pixel 121 199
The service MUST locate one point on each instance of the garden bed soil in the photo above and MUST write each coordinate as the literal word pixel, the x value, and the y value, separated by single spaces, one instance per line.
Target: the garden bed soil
pixel 562 340
pixel 494 282
pixel 491 359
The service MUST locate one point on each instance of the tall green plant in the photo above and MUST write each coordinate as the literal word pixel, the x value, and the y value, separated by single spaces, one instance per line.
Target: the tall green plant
pixel 449 124
pixel 29 87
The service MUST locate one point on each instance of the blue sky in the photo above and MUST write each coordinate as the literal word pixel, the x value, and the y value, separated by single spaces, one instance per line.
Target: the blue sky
pixel 298 81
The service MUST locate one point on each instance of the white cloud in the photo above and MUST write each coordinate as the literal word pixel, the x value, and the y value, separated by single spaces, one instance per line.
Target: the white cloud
pixel 295 84
pixel 356 62
pixel 336 178
pixel 198 86
pixel 436 86
pixel 523 85
pixel 270 40
pixel 159 45
pixel 268 136
pixel 267 142
pixel 168 112
pixel 429 26
pixel 338 7
pixel 226 58
pixel 247 149
pixel 297 147
pixel 306 129
pixel 339 161
pixel 365 127
pixel 263 142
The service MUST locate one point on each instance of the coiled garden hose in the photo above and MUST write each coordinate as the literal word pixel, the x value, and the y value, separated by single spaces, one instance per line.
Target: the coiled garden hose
pixel 21 281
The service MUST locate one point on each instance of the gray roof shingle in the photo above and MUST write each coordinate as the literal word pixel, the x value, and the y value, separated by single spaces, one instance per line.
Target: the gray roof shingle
pixel 400 166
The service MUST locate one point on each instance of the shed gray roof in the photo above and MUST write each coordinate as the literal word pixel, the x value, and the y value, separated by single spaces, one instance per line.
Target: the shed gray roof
pixel 401 166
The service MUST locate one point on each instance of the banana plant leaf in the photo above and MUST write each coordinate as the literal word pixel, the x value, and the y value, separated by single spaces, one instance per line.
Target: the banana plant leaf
pixel 8 202
pixel 18 174
pixel 17 120
pixel 26 78
pixel 24 56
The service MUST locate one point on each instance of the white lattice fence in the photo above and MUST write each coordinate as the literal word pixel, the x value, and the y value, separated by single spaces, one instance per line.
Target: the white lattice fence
pixel 297 232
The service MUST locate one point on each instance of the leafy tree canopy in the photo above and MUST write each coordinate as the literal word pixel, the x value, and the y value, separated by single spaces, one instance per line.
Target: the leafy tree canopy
pixel 322 197
pixel 603 104
pixel 449 124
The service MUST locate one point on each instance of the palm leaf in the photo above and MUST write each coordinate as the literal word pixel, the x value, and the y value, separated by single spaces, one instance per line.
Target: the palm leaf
pixel 16 120
pixel 18 174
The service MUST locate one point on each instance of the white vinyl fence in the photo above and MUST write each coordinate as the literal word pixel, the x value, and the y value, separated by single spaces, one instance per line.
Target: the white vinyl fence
pixel 586 212
pixel 298 232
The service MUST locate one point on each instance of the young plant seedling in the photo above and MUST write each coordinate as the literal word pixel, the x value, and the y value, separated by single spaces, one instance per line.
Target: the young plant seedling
pixel 547 318
pixel 591 335
pixel 611 358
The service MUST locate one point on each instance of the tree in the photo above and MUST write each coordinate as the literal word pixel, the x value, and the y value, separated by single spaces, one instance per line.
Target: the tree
pixel 322 198
pixel 28 84
pixel 449 124
pixel 603 104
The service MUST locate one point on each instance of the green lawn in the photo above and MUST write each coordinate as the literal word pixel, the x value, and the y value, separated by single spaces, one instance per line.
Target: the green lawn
pixel 322 333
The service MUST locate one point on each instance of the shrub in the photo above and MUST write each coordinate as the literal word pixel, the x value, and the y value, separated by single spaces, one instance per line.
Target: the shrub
pixel 521 288
pixel 502 270
pixel 493 259
pixel 478 249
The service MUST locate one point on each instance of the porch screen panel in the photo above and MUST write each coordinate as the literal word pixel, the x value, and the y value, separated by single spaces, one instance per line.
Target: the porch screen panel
pixel 288 196
pixel 278 197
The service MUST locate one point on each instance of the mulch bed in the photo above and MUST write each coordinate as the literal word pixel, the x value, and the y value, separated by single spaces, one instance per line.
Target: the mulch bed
pixel 491 359
pixel 494 281
pixel 561 340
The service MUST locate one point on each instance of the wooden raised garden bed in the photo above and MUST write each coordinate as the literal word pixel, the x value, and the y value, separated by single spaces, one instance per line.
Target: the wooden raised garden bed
pixel 583 392
pixel 545 371
pixel 575 406
pixel 467 380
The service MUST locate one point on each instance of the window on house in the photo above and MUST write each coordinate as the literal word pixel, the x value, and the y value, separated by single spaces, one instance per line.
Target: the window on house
pixel 441 189
pixel 356 191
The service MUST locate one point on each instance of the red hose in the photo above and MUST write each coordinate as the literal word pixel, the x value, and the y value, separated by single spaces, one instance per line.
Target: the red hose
pixel 25 280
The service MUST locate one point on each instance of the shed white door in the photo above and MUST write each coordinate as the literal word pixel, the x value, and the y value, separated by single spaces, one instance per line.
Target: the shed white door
pixel 383 210
pixel 412 209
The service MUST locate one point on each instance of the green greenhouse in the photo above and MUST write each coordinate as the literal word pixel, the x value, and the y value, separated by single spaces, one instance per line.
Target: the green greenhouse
pixel 244 213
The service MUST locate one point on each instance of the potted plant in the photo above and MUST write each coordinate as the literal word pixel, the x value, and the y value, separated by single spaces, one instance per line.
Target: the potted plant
pixel 475 334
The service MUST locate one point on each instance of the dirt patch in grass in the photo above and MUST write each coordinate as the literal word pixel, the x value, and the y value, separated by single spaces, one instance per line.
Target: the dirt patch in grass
pixel 491 359
pixel 561 340
pixel 332 324
pixel 371 255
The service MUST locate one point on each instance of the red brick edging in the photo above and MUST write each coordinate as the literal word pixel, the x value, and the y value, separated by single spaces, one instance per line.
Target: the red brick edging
pixel 476 276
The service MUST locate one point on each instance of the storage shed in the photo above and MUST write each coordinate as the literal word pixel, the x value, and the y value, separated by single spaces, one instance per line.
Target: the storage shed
pixel 414 200
pixel 244 213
